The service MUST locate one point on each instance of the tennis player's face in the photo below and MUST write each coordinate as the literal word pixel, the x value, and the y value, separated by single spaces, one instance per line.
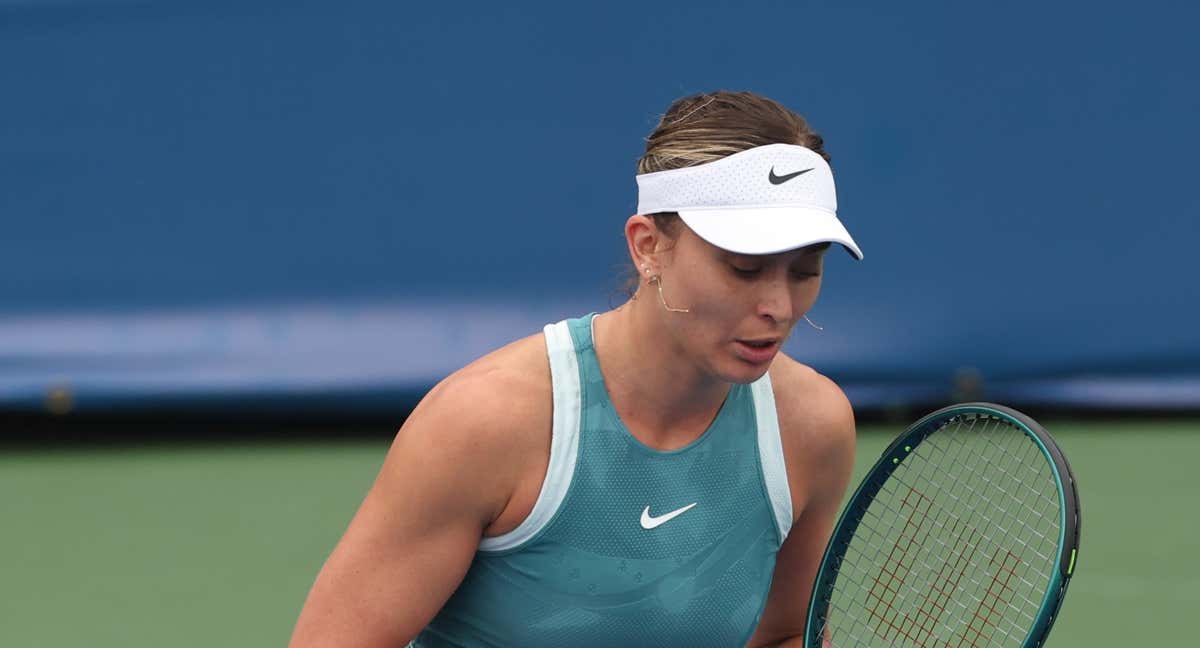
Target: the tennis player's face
pixel 741 307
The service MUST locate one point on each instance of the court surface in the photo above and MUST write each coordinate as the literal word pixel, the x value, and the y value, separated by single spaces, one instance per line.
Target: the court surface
pixel 207 544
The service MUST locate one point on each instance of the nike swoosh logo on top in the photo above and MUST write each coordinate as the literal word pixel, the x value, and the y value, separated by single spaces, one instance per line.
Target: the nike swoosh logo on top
pixel 649 521
pixel 778 180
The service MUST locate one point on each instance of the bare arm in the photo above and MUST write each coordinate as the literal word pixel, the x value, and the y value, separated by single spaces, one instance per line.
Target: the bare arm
pixel 449 474
pixel 819 445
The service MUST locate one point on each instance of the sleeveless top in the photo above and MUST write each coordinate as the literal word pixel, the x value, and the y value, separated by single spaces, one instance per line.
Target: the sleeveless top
pixel 627 545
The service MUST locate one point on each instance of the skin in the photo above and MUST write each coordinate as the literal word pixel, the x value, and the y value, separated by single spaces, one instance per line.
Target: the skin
pixel 470 460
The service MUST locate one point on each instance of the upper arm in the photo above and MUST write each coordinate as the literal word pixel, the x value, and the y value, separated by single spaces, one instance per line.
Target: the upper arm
pixel 818 440
pixel 448 474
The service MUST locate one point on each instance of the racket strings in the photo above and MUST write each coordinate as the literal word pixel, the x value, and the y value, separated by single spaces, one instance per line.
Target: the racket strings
pixel 957 547
pixel 937 522
pixel 1045 518
pixel 936 608
pixel 916 627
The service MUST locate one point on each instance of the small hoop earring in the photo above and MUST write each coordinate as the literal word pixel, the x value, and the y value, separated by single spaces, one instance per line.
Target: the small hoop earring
pixel 813 324
pixel 657 280
pixel 635 294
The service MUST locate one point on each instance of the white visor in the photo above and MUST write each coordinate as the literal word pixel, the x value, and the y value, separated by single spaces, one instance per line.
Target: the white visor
pixel 763 200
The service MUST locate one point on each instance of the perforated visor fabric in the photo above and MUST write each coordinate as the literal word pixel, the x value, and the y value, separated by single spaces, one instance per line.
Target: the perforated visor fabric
pixel 763 200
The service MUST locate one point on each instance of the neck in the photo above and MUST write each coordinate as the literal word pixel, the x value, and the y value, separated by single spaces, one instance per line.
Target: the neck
pixel 661 395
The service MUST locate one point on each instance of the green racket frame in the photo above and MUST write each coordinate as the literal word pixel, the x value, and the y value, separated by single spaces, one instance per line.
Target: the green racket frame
pixel 1068 542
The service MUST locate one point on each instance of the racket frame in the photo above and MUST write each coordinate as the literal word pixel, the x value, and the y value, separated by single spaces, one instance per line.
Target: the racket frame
pixel 894 455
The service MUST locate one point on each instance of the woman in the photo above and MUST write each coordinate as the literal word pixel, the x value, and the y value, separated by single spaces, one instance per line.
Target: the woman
pixel 656 475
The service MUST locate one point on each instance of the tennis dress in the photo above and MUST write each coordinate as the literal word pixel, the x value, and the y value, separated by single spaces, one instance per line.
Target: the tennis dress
pixel 627 545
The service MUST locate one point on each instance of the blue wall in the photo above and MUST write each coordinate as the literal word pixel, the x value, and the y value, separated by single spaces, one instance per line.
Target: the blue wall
pixel 209 200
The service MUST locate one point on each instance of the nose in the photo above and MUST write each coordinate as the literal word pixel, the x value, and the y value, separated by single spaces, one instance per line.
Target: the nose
pixel 775 301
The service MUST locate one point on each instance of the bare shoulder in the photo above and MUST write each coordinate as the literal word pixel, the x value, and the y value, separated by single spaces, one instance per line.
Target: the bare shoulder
pixel 810 403
pixel 499 401
pixel 451 475
pixel 506 387
pixel 485 427
pixel 816 424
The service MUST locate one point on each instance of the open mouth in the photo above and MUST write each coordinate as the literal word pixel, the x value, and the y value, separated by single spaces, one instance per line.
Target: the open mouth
pixel 757 351
pixel 759 344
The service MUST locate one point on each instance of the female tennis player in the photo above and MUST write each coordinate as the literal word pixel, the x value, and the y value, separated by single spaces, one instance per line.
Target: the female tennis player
pixel 655 475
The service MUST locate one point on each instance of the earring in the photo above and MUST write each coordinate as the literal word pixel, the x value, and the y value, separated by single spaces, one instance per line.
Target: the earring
pixel 638 291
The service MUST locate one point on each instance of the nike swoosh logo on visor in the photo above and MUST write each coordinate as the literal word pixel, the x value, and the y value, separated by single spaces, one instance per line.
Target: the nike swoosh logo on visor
pixel 650 522
pixel 780 179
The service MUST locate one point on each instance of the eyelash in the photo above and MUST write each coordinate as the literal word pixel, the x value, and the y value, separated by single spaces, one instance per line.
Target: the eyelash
pixel 750 273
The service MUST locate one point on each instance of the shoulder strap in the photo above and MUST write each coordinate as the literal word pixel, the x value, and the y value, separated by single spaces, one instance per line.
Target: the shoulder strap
pixel 564 441
pixel 770 451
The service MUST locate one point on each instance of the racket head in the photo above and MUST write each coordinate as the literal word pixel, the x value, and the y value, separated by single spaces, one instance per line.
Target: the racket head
pixel 907 447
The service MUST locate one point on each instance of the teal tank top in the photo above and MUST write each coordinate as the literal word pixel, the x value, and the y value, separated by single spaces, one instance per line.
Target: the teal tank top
pixel 627 545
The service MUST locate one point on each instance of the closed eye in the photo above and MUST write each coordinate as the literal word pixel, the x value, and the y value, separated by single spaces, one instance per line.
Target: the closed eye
pixel 746 273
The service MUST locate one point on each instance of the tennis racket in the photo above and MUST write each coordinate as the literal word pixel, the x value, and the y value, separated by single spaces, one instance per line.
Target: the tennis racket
pixel 964 533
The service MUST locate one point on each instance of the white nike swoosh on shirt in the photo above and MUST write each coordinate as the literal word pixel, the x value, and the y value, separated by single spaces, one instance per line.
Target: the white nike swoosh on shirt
pixel 649 521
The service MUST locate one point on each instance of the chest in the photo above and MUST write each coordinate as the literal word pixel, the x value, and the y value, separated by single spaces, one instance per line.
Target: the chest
pixel 693 568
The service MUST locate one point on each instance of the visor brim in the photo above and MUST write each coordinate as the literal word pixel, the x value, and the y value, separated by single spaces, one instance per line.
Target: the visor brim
pixel 768 230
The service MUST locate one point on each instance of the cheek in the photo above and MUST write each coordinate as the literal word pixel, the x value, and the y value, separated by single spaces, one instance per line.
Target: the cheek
pixel 718 299
pixel 716 306
pixel 806 294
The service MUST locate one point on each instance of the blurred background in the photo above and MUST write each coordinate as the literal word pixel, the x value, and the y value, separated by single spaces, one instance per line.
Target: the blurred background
pixel 239 240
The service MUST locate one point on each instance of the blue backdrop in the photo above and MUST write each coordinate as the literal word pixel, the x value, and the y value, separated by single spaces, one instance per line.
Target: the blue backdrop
pixel 231 200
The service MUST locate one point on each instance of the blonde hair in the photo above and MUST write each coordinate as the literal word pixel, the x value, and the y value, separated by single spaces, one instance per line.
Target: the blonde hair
pixel 706 127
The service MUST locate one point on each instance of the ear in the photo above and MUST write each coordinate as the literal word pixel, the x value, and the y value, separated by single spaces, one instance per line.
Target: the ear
pixel 645 243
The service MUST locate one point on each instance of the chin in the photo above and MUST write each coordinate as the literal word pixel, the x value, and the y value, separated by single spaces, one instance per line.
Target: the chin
pixel 742 372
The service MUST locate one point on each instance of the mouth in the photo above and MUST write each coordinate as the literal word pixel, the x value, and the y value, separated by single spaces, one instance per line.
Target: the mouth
pixel 757 351
pixel 760 343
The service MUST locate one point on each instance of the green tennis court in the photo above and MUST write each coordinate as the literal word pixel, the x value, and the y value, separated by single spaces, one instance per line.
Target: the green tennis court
pixel 215 544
